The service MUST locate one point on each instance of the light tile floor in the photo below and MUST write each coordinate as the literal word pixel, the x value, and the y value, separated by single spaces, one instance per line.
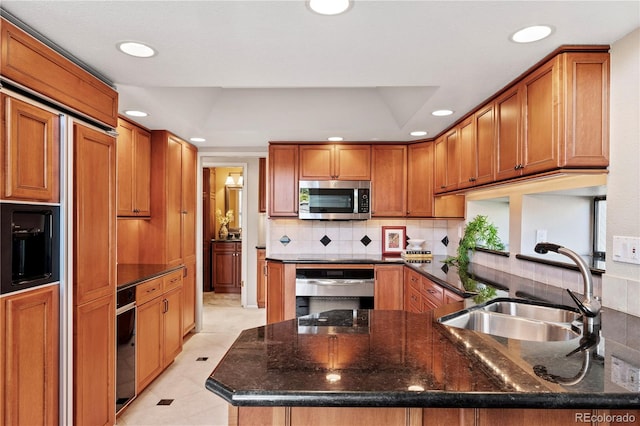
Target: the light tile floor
pixel 183 381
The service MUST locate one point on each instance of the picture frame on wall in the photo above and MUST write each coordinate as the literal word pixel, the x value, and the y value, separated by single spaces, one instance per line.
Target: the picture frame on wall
pixel 394 240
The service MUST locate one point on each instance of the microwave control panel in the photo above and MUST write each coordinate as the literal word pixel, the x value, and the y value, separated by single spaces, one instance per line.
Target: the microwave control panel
pixel 363 200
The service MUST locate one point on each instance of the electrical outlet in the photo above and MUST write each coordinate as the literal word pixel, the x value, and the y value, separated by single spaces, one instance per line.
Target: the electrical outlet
pixel 625 375
pixel 626 249
pixel 541 236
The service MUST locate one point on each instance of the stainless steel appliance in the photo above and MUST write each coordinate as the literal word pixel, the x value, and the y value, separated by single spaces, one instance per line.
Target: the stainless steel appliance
pixel 334 200
pixel 321 290
pixel 29 245
pixel 125 347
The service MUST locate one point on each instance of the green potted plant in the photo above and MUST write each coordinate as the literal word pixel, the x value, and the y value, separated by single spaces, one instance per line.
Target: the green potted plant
pixel 477 233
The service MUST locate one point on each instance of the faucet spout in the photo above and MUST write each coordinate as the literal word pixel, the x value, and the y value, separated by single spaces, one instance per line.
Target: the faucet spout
pixel 590 306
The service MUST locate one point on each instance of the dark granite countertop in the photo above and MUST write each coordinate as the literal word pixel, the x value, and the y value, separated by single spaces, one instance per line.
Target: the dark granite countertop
pixel 129 275
pixel 402 359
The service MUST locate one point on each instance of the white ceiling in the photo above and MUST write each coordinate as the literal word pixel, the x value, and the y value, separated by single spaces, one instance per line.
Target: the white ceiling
pixel 242 73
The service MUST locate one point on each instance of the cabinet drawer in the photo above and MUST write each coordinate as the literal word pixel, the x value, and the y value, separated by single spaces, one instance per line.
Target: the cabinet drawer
pixel 432 291
pixel 148 290
pixel 172 280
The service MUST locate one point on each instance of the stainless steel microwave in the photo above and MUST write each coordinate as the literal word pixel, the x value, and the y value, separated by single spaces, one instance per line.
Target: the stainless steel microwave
pixel 334 200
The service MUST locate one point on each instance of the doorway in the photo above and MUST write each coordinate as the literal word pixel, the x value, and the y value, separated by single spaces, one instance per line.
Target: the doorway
pixel 222 229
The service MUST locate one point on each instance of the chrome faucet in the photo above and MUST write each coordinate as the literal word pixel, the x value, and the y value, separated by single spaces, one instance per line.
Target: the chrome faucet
pixel 590 306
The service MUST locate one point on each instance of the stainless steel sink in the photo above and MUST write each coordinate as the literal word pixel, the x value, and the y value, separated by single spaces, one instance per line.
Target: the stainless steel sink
pixel 532 311
pixel 518 320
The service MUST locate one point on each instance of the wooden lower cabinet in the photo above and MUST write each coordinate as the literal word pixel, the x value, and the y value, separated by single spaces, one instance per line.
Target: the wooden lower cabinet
pixel 331 416
pixel 226 265
pixel 159 327
pixel 388 287
pixel 29 371
pixel 261 276
pixel 189 296
pixel 281 291
pixel 94 362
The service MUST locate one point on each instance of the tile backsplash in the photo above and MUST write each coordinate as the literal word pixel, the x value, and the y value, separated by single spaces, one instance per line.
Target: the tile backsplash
pixel 293 236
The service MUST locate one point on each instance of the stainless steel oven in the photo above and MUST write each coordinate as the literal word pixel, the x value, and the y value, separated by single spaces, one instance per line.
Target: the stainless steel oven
pixel 321 290
pixel 29 245
pixel 125 347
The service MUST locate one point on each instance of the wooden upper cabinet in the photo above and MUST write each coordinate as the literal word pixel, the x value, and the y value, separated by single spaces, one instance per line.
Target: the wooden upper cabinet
pixel 467 153
pixel 283 180
pixel 440 165
pixel 94 214
pixel 508 134
pixel 262 185
pixel 389 180
pixel 133 170
pixel 335 162
pixel 484 123
pixel 31 63
pixel 447 168
pixel 420 180
pixel 30 152
pixel 174 201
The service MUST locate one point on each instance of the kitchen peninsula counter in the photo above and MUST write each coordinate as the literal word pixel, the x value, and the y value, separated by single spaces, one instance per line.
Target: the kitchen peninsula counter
pixel 370 358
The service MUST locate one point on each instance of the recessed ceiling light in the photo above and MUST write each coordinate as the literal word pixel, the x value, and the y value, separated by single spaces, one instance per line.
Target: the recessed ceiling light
pixel 197 139
pixel 442 112
pixel 418 133
pixel 335 139
pixel 137 49
pixel 531 34
pixel 329 7
pixel 136 113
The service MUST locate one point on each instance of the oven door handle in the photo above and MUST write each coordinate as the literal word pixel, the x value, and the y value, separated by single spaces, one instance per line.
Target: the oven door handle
pixel 334 282
pixel 125 308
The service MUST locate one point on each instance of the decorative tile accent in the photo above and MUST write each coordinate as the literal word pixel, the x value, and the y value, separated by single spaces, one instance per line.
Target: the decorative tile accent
pixel 445 241
pixel 365 240
pixel 165 402
pixel 325 240
pixel 285 240
pixel 202 358
pixel 445 268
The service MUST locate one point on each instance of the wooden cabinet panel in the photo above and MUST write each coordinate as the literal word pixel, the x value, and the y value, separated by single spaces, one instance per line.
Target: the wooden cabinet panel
pixel 440 165
pixel 281 291
pixel 31 63
pixel 94 362
pixel 389 180
pixel 149 290
pixel 262 185
pixel 453 160
pixel 133 148
pixel 340 162
pixel 174 201
pixel 188 203
pixel 484 137
pixel 189 295
pixel 261 277
pixel 172 323
pixel 413 297
pixel 432 291
pixel 388 287
pixel 29 370
pixel 29 152
pixel 420 180
pixel 149 341
pixel 94 225
pixel 468 153
pixel 508 137
pixel 283 180
pixel 226 264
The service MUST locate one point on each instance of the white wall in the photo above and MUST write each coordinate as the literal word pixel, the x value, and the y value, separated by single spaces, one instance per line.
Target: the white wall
pixel 621 283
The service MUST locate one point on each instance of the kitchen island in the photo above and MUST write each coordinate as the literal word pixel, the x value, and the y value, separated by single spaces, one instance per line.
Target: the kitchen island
pixel 395 367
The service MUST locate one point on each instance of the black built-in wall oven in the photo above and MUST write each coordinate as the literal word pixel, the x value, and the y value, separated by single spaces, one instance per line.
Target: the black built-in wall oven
pixel 29 245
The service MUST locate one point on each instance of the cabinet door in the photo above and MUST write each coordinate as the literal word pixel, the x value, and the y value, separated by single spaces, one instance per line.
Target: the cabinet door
pixel 94 214
pixel 283 180
pixel 174 201
pixel 261 278
pixel 275 292
pixel 485 136
pixel 189 296
pixel 94 362
pixel 224 265
pixel 388 287
pixel 352 162
pixel 467 153
pixel 30 152
pixel 420 180
pixel 172 325
pixel 540 113
pixel 440 165
pixel 142 175
pixel 508 137
pixel 412 296
pixel 453 159
pixel 29 370
pixel 189 165
pixel 149 329
pixel 316 162
pixel 133 173
pixel 262 185
pixel 389 180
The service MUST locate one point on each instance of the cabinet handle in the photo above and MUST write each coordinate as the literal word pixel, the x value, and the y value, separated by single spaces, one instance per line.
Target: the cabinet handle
pixel 443 186
pixel 151 290
pixel 472 179
pixel 518 167
pixel 184 212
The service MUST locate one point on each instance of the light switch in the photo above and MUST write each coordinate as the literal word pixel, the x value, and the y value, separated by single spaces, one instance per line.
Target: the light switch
pixel 626 249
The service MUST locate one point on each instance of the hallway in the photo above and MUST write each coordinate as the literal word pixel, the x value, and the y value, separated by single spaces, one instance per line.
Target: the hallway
pixel 183 382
